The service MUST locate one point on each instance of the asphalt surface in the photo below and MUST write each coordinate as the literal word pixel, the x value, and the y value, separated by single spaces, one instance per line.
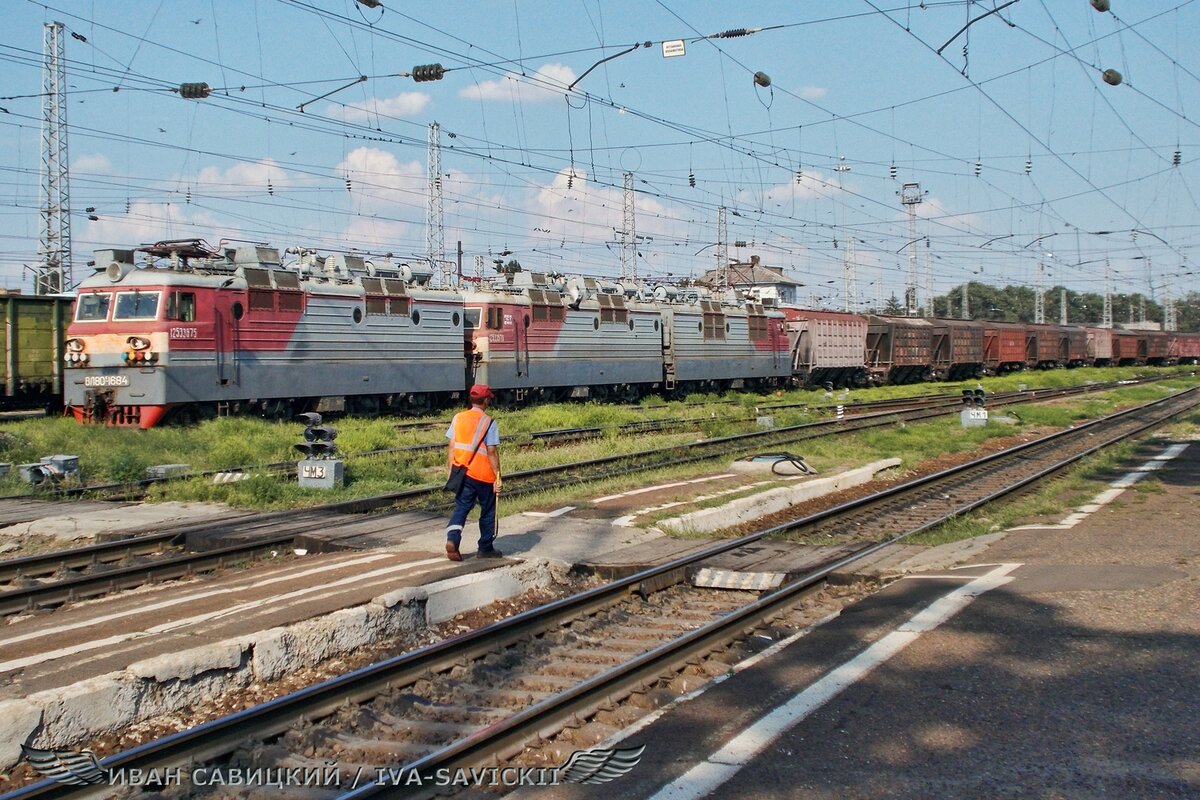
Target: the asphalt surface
pixel 1077 678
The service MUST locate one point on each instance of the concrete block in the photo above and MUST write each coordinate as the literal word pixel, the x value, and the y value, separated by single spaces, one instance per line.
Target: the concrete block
pixel 96 705
pixel 327 473
pixel 274 654
pixel 467 592
pixel 167 470
pixel 20 719
pixel 190 663
pixel 332 634
pixel 171 696
pixel 750 508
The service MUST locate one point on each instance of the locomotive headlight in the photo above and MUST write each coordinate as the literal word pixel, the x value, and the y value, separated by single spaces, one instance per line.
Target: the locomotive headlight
pixel 74 345
pixel 83 358
pixel 138 342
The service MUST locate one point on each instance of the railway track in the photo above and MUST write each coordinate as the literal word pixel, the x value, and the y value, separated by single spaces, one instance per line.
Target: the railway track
pixel 567 674
pixel 136 490
pixel 48 580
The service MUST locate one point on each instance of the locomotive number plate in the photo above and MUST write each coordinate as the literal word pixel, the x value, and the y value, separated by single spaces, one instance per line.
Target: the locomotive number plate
pixel 106 380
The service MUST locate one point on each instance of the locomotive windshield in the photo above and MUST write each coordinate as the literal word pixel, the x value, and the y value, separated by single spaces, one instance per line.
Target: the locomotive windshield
pixel 92 307
pixel 136 305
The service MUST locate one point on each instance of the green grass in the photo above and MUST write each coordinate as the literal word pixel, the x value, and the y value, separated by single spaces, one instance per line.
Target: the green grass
pixel 1047 502
pixel 122 454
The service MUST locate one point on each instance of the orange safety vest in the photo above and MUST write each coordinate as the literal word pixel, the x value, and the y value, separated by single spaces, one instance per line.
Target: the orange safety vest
pixel 470 427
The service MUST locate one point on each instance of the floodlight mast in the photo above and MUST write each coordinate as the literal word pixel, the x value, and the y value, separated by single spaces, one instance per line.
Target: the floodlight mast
pixel 910 197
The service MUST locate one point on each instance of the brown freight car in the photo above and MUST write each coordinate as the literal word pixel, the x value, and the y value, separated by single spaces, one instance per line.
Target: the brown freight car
pixel 899 351
pixel 1003 347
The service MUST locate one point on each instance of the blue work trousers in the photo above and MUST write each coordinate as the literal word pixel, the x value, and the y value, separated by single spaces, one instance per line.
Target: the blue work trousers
pixel 464 501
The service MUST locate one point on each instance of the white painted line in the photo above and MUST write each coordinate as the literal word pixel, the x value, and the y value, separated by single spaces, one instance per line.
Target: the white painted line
pixel 558 512
pixel 258 606
pixel 1115 490
pixel 673 485
pixel 720 766
pixel 184 599
pixel 627 520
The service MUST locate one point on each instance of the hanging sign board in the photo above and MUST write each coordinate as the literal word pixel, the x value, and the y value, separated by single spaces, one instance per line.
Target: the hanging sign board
pixel 673 48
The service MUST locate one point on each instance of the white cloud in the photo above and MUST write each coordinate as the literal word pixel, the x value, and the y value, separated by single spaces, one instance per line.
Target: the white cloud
pixel 549 83
pixel 389 198
pixel 244 178
pixel 95 163
pixel 813 92
pixel 406 104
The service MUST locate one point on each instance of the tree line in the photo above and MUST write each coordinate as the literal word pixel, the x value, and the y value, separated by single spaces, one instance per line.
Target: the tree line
pixel 1016 304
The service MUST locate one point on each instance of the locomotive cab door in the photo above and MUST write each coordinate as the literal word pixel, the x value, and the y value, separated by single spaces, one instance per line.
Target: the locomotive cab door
pixel 228 309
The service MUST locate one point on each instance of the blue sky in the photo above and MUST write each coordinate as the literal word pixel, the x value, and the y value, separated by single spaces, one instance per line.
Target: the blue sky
pixel 532 169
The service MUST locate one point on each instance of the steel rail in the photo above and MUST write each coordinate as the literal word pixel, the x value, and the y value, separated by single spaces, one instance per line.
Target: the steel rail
pixel 426 498
pixel 218 737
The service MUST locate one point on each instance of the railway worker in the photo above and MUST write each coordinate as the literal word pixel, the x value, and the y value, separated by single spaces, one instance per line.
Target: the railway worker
pixel 474 443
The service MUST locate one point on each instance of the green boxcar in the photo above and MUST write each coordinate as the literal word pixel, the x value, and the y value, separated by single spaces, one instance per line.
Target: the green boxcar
pixel 33 330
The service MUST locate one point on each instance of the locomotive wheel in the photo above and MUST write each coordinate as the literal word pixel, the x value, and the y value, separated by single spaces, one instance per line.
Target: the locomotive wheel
pixel 600 393
pixel 183 416
pixel 630 393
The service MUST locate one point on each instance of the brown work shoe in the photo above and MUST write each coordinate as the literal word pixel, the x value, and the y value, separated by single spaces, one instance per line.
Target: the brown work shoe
pixel 452 552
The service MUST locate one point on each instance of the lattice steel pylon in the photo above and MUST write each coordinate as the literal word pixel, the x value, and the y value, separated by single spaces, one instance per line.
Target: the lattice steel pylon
pixel 722 250
pixel 628 231
pixel 435 233
pixel 910 197
pixel 1107 321
pixel 1170 322
pixel 1039 296
pixel 53 273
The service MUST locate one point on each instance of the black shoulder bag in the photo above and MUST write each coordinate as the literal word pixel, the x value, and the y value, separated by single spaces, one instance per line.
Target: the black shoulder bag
pixel 458 473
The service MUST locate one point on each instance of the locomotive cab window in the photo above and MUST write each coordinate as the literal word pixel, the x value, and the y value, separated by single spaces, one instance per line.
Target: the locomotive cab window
pixel 181 306
pixel 495 317
pixel 92 307
pixel 472 317
pixel 136 305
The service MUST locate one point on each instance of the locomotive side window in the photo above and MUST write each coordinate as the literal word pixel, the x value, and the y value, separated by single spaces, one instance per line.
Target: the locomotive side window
pixel 181 306
pixel 262 300
pixel 237 310
pixel 377 304
pixel 92 307
pixel 472 317
pixel 136 305
pixel 495 317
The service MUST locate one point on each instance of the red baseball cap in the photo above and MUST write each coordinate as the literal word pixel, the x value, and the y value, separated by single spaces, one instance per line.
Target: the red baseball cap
pixel 481 391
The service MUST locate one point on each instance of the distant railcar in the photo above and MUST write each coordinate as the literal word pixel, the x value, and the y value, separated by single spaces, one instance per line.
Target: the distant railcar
pixel 1162 348
pixel 960 348
pixel 1099 346
pixel 828 347
pixel 899 351
pixel 1003 347
pixel 1189 348
pixel 1129 348
pixel 33 329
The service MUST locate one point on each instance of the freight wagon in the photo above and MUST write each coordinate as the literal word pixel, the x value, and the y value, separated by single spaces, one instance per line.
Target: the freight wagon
pixel 34 329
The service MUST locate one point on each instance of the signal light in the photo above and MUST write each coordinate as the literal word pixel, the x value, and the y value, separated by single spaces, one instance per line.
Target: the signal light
pixel 316 449
pixel 974 398
pixel 319 434
pixel 318 439
pixel 428 72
